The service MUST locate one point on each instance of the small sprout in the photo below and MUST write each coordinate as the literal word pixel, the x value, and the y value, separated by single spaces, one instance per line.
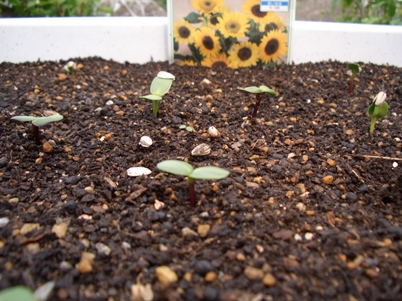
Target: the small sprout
pixel 258 91
pixel 145 141
pixel 186 127
pixel 205 83
pixel 213 132
pixel 181 168
pixel 377 109
pixel 17 293
pixel 138 171
pixel 354 71
pixel 38 122
pixel 160 86
pixel 71 68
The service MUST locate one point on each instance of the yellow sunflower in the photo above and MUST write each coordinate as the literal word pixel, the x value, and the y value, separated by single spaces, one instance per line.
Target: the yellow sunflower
pixel 189 63
pixel 183 32
pixel 207 6
pixel 244 54
pixel 218 61
pixel 206 41
pixel 273 23
pixel 233 25
pixel 252 10
pixel 273 46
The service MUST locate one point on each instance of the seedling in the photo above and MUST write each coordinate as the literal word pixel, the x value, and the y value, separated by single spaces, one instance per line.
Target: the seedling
pixel 38 122
pixel 181 168
pixel 19 292
pixel 186 127
pixel 71 68
pixel 355 70
pixel 160 86
pixel 259 92
pixel 377 109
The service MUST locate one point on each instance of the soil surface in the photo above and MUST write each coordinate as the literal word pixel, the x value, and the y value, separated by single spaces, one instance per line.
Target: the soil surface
pixel 306 213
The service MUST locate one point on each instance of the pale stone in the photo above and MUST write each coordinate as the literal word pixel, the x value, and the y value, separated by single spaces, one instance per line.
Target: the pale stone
pixel 188 232
pixel 85 265
pixel 47 147
pixel 141 292
pixel 210 277
pixel 203 230
pixel 29 227
pixel 269 280
pixel 328 179
pixel 60 230
pixel 165 275
pixel 253 273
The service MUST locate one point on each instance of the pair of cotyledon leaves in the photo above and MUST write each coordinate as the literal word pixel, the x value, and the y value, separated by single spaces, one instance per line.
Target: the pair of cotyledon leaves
pixel 181 168
pixel 160 86
pixel 38 121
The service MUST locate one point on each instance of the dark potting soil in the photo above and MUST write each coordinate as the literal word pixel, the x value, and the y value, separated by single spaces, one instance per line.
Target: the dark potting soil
pixel 312 208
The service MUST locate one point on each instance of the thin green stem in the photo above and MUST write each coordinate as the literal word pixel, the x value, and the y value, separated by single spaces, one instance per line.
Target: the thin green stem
pixel 372 125
pixel 155 108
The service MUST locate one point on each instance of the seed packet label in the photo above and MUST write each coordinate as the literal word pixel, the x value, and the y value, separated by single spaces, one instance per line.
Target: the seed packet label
pixel 230 33
pixel 276 6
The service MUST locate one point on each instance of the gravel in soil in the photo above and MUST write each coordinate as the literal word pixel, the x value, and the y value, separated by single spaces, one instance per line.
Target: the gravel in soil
pixel 311 209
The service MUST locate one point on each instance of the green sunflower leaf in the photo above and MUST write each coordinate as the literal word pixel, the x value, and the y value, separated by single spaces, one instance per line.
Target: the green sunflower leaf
pixel 378 111
pixel 152 97
pixel 193 18
pixel 160 86
pixel 355 68
pixel 23 118
pixel 17 293
pixel 41 121
pixel 209 173
pixel 251 89
pixel 265 89
pixel 176 167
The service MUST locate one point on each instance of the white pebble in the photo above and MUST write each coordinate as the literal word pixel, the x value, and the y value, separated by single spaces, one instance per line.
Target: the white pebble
pixel 308 236
pixel 4 221
pixel 297 237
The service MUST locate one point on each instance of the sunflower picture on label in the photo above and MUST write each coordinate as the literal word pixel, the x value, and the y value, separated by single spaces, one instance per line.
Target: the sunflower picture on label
pixel 232 33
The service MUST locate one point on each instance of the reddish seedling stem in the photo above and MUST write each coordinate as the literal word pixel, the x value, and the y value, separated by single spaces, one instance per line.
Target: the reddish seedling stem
pixel 350 86
pixel 191 190
pixel 36 134
pixel 257 105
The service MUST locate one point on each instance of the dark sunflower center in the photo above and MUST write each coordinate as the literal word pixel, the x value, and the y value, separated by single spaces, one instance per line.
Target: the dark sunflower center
pixel 208 43
pixel 255 10
pixel 271 47
pixel 218 65
pixel 207 3
pixel 214 20
pixel 244 54
pixel 184 32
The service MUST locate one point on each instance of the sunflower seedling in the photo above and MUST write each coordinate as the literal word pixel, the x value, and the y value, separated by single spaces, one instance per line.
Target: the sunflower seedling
pixel 181 168
pixel 259 92
pixel 71 68
pixel 160 86
pixel 354 70
pixel 186 127
pixel 377 109
pixel 38 122
pixel 18 292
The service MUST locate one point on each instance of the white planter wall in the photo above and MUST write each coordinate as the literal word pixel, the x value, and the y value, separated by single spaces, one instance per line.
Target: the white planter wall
pixel 142 39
